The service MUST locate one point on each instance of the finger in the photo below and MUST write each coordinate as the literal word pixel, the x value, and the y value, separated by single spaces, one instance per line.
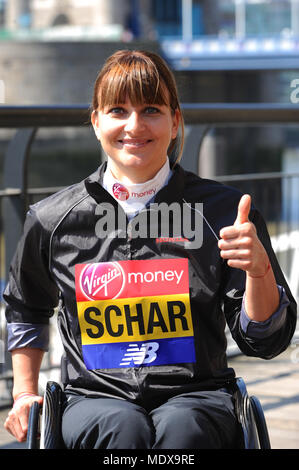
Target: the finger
pixel 24 412
pixel 9 425
pixel 243 210
pixel 235 254
pixel 13 426
pixel 229 244
pixel 24 417
pixel 239 264
pixel 229 233
pixel 21 434
pixel 237 243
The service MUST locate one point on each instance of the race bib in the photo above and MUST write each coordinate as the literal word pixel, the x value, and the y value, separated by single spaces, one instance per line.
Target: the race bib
pixel 134 313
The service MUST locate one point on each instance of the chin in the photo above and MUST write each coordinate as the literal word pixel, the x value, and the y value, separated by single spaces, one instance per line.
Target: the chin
pixel 135 161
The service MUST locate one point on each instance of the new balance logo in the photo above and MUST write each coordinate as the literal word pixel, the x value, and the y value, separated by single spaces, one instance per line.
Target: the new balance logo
pixel 143 355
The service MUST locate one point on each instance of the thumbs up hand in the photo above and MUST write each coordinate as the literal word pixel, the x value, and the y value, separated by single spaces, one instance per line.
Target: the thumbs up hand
pixel 240 245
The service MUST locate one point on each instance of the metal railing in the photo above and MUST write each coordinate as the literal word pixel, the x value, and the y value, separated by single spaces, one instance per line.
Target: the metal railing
pixel 271 189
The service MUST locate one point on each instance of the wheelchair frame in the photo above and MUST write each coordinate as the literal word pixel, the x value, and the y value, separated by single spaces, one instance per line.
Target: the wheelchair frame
pixel 44 427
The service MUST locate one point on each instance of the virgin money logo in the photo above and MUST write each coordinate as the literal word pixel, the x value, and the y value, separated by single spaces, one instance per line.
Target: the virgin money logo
pixel 100 281
pixel 120 192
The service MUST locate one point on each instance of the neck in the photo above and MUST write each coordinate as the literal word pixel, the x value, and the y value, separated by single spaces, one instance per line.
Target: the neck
pixel 133 177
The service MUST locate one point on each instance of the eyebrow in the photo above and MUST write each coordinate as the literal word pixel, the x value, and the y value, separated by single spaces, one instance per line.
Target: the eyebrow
pixel 142 105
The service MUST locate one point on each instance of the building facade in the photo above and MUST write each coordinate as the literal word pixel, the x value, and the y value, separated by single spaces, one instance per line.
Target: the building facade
pixel 163 18
pixel 130 15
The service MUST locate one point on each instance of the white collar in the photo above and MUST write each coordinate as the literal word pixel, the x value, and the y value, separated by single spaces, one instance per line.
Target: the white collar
pixel 134 197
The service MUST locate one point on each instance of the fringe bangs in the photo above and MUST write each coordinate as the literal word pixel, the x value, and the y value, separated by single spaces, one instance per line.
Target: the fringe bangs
pixel 137 80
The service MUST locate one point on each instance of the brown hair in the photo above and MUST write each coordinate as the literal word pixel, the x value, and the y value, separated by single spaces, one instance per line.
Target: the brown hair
pixel 145 78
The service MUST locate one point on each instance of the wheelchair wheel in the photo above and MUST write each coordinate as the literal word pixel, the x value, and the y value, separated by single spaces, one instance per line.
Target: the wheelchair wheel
pixel 260 423
pixel 33 426
pixel 51 417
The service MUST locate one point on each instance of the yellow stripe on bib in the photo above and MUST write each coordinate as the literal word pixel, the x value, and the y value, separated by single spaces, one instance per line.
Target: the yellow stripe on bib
pixel 135 319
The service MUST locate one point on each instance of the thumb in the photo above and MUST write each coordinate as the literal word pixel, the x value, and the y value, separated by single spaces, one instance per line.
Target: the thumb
pixel 243 210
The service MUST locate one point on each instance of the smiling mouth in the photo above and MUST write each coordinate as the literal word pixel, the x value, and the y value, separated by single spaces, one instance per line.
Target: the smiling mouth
pixel 134 143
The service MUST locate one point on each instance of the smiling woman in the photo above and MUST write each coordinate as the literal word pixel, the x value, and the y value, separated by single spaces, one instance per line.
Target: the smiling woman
pixel 142 306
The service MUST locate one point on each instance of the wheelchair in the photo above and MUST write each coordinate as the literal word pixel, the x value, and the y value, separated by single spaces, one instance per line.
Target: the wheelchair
pixel 44 427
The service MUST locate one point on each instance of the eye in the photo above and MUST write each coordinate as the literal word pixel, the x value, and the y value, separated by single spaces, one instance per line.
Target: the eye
pixel 116 110
pixel 151 110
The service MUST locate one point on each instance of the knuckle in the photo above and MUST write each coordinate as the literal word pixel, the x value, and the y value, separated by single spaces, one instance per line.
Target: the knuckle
pixel 11 414
pixel 248 241
pixel 247 229
pixel 246 253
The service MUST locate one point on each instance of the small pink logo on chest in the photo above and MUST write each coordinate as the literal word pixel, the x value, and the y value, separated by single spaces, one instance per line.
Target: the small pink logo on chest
pixel 120 192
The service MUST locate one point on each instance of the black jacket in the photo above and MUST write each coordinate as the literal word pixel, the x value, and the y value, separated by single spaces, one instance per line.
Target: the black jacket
pixel 62 232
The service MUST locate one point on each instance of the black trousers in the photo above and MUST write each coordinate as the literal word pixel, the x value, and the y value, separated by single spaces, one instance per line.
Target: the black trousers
pixel 197 420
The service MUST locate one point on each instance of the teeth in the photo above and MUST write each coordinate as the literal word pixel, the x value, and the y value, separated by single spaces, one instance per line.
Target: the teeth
pixel 134 142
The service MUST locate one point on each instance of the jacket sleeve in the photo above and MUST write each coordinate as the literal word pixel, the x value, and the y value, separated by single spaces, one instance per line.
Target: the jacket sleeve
pixel 265 340
pixel 31 294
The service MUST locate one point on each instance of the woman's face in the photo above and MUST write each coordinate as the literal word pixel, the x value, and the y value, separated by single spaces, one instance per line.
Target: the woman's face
pixel 136 138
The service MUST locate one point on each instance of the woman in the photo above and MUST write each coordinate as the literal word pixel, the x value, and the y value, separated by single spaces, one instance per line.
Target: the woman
pixel 142 312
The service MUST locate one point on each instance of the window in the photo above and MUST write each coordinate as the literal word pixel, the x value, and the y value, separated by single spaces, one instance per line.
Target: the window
pixel 167 15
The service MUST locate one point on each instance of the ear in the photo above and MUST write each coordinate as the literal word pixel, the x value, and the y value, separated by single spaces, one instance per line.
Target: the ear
pixel 176 122
pixel 95 123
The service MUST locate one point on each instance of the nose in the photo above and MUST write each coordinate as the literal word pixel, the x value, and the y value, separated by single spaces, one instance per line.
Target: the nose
pixel 134 122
